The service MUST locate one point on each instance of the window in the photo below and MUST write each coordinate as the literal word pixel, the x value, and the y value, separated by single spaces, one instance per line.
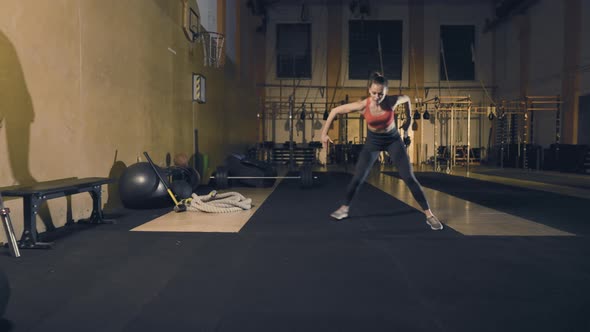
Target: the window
pixel 293 50
pixel 457 42
pixel 363 56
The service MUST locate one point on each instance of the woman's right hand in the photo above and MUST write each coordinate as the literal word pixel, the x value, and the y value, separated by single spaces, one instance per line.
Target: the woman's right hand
pixel 326 139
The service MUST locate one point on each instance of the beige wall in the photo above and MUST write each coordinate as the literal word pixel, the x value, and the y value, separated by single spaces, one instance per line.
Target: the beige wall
pixel 83 82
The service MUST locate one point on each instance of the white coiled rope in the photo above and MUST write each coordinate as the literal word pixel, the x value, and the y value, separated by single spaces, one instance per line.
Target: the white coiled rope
pixel 216 202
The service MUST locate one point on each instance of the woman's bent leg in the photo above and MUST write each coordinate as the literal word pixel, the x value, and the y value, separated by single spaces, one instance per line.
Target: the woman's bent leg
pixel 397 150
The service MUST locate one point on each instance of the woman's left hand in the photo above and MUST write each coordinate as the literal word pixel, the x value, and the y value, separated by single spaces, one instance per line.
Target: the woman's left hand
pixel 407 139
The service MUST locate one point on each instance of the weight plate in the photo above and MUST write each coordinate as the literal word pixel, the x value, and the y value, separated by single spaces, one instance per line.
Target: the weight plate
pixel 221 180
pixel 306 177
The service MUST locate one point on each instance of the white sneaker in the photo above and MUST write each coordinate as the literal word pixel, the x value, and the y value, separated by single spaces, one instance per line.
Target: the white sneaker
pixel 434 223
pixel 340 214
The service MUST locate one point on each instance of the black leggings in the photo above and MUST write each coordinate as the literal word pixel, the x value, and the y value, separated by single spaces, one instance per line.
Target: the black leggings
pixel 392 143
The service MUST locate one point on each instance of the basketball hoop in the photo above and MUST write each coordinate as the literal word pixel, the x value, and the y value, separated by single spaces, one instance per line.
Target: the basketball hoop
pixel 213 49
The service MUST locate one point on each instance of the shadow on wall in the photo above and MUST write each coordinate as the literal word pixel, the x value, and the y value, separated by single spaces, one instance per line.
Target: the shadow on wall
pixel 16 116
pixel 114 198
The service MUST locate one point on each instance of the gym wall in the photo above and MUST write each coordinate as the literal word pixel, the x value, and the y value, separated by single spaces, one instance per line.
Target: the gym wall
pixel 545 52
pixel 329 24
pixel 539 52
pixel 87 83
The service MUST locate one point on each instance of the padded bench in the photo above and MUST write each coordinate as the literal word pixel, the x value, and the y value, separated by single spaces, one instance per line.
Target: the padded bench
pixel 34 195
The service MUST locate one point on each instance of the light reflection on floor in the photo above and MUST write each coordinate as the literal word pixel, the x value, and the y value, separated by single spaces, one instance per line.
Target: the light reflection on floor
pixel 470 218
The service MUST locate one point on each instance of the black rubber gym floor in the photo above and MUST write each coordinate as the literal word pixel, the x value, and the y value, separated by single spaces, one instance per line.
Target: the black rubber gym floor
pixel 292 210
pixel 293 269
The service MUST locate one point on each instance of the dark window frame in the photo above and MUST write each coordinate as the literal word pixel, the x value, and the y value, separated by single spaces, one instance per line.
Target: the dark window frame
pixel 456 41
pixel 291 64
pixel 363 51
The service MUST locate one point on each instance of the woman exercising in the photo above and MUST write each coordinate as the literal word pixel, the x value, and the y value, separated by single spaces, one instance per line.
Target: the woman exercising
pixel 382 134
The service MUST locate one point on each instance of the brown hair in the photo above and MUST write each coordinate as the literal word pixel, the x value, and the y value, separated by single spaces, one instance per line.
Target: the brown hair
pixel 377 78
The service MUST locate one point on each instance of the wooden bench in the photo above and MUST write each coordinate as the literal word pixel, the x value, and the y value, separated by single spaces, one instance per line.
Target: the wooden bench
pixel 34 195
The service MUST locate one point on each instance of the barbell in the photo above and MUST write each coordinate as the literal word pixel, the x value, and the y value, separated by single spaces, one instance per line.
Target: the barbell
pixel 306 177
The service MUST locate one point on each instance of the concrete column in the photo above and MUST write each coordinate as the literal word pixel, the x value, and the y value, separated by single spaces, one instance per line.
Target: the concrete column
pixel 416 66
pixel 570 86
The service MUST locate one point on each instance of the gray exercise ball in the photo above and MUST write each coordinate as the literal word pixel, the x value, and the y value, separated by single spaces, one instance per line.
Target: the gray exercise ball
pixel 140 188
